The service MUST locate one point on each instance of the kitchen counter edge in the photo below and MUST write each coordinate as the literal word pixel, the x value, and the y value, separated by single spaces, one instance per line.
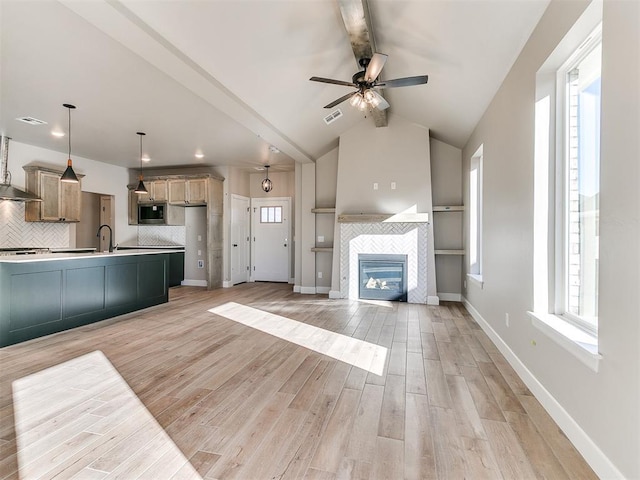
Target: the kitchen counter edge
pixel 42 257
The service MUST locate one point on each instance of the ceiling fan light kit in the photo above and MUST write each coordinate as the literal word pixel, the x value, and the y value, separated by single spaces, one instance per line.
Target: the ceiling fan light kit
pixel 366 81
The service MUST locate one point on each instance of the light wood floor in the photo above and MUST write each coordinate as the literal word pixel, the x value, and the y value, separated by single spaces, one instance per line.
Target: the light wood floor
pixel 213 398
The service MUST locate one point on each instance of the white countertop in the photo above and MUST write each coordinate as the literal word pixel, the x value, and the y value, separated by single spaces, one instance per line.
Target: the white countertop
pixel 73 256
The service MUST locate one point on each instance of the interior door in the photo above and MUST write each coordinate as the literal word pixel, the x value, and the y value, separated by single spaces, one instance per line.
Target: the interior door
pixel 240 219
pixel 271 235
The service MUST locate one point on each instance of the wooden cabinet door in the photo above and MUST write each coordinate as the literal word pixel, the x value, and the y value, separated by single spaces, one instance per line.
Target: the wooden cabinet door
pixel 158 191
pixel 177 192
pixel 197 191
pixel 70 199
pixel 50 195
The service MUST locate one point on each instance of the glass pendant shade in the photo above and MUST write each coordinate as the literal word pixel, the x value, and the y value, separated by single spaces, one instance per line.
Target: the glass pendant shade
pixel 267 184
pixel 69 175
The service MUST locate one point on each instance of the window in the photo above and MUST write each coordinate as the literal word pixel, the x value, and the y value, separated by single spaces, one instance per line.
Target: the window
pixel 581 184
pixel 475 215
pixel 567 191
pixel 270 214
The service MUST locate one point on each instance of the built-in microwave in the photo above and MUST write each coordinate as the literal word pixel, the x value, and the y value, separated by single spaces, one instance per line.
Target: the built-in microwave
pixel 152 213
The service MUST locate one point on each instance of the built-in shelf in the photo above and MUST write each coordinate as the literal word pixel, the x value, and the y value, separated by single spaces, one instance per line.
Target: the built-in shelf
pixel 384 217
pixel 449 252
pixel 323 210
pixel 448 208
pixel 322 249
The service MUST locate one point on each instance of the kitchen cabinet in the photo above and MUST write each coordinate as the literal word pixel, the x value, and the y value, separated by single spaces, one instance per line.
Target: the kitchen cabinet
pixel 189 191
pixel 158 192
pixel 60 200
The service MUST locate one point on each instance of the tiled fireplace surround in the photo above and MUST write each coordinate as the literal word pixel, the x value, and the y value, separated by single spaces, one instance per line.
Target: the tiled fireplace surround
pixel 406 238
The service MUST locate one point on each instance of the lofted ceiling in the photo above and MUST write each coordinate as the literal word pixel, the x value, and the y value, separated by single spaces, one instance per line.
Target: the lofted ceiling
pixel 230 78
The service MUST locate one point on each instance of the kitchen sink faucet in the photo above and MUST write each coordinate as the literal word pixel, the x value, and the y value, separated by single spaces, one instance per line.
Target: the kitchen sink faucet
pixel 110 235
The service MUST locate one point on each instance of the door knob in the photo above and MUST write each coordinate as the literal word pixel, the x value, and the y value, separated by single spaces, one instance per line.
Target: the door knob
pixel 235 244
pixel 285 244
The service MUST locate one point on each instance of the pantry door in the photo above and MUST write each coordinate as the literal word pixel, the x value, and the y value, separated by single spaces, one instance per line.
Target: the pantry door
pixel 271 239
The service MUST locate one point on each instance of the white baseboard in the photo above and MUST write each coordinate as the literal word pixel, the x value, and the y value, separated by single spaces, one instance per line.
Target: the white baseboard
pixel 308 290
pixel 433 300
pixel 292 281
pixel 227 284
pixel 296 289
pixel 323 290
pixel 335 294
pixel 600 463
pixel 450 297
pixel 194 283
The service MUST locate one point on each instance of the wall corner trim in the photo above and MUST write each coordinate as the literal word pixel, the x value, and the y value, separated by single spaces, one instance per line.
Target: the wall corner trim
pixel 433 300
pixel 595 457
pixel 334 294
pixel 296 289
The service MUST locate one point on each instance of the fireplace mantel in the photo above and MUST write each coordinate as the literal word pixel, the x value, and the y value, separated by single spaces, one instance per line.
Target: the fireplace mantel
pixel 383 218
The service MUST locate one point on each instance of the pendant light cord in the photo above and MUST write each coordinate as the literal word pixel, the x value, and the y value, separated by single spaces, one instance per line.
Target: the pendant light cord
pixel 69 110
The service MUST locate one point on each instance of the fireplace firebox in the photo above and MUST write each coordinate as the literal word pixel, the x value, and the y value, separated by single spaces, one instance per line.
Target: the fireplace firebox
pixel 383 277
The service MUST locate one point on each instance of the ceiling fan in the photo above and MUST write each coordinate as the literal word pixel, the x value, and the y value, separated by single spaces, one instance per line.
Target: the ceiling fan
pixel 366 82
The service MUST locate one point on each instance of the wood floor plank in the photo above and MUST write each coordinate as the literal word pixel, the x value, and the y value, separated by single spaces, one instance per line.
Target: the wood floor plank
pixel 419 455
pixel 393 408
pixel 511 458
pixel 437 389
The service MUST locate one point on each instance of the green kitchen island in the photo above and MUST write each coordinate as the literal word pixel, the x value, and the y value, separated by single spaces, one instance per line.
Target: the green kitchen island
pixel 48 293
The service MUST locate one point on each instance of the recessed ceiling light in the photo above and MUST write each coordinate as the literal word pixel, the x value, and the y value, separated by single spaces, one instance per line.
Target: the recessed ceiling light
pixel 31 121
pixel 145 158
pixel 57 133
pixel 260 169
pixel 199 155
pixel 274 149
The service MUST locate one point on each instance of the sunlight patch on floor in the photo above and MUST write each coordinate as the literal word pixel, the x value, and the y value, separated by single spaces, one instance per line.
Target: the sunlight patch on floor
pixel 358 353
pixel 82 418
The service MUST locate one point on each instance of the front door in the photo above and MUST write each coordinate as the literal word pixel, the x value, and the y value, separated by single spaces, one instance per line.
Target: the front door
pixel 271 246
pixel 239 239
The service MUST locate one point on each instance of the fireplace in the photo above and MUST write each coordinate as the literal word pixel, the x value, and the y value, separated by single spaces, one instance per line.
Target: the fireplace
pixel 382 277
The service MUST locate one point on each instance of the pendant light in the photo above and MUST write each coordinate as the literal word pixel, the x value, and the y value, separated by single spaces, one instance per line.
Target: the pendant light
pixel 69 175
pixel 267 185
pixel 141 188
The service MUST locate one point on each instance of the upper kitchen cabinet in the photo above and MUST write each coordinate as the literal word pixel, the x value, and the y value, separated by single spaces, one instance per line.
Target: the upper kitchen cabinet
pixel 158 192
pixel 60 200
pixel 189 191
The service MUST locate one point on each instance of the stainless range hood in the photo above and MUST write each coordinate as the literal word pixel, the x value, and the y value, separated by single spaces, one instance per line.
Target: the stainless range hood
pixel 7 192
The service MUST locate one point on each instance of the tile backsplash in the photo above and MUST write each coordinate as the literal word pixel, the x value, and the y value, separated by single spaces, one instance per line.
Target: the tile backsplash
pixel 161 235
pixel 16 233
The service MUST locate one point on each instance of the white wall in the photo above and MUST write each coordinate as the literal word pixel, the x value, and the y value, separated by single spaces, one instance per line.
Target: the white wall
pixel 99 178
pixel 605 405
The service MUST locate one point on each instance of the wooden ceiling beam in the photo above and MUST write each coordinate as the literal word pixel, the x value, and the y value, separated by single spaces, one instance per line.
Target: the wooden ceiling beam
pixel 355 15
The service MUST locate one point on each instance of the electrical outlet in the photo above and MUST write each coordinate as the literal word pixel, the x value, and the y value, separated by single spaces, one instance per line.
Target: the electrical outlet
pixel 506 319
pixel 320 238
pixel 319 274
pixel 375 185
pixel 200 263
pixel 199 238
pixel 393 185
pixel 199 253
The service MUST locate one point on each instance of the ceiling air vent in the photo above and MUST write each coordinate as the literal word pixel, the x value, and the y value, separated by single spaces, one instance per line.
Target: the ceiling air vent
pixel 333 116
pixel 31 121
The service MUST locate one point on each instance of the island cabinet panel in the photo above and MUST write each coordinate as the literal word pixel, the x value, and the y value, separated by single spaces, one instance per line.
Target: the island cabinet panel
pixel 61 202
pixel 85 292
pixel 39 297
pixel 122 284
pixel 36 302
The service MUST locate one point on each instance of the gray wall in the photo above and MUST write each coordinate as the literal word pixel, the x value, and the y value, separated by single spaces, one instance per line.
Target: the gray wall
pixel 604 404
pixel 326 182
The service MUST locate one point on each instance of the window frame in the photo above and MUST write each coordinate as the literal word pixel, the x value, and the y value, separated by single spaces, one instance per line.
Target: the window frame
pixel 562 243
pixel 475 214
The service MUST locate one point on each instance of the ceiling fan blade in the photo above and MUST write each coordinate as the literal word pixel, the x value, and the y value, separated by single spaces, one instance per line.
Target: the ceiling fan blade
pixel 382 102
pixel 333 82
pixel 340 100
pixel 404 82
pixel 375 67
